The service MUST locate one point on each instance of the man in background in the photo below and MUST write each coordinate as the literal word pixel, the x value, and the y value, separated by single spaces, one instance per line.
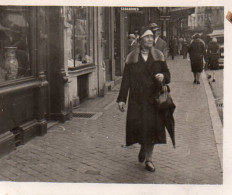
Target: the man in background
pixel 159 43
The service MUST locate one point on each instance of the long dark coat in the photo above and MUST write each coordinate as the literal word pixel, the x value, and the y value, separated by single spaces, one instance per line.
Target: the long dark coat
pixel 196 52
pixel 185 49
pixel 213 55
pixel 145 124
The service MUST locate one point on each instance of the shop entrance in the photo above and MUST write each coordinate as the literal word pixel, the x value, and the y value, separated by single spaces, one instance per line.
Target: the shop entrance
pixel 83 89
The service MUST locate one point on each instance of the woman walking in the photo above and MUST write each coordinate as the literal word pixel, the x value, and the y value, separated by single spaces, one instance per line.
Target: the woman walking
pixel 213 56
pixel 144 71
pixel 197 52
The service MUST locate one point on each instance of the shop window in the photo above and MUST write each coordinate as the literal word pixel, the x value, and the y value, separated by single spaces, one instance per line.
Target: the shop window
pixel 79 42
pixel 14 43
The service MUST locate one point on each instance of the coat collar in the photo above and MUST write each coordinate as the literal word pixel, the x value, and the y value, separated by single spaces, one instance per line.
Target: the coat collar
pixel 156 39
pixel 134 55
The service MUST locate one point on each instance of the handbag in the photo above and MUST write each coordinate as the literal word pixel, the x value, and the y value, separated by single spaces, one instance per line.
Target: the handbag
pixel 164 100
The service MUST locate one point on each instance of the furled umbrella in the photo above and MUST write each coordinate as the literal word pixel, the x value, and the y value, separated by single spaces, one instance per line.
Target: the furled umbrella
pixel 169 122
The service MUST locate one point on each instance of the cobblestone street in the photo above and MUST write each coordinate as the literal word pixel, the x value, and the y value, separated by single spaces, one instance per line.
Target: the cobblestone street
pixel 93 151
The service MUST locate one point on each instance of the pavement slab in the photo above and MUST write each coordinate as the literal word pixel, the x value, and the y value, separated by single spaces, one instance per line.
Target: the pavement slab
pixel 94 151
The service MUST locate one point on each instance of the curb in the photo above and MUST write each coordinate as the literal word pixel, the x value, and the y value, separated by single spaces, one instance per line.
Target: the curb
pixel 215 119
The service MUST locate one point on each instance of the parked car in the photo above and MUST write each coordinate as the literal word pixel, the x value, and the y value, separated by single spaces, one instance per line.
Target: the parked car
pixel 219 34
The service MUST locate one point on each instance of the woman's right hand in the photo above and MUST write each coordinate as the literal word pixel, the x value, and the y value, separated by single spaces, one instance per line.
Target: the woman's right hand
pixel 159 77
pixel 121 106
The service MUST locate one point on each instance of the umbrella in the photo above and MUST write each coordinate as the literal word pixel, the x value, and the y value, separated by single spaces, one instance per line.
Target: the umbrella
pixel 169 122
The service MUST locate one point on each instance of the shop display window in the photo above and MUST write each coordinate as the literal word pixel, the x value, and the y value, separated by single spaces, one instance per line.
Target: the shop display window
pixel 14 43
pixel 78 44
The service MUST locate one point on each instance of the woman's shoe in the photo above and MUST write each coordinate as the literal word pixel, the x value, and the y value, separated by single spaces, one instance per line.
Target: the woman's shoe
pixel 213 80
pixel 195 81
pixel 198 82
pixel 141 156
pixel 150 166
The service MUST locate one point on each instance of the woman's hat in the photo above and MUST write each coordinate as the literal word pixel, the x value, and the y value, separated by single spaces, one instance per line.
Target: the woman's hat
pixel 132 36
pixel 196 36
pixel 145 31
pixel 214 40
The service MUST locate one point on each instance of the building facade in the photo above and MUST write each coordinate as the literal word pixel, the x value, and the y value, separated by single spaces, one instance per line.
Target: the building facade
pixel 51 60
pixel 179 20
pixel 23 80
pixel 206 19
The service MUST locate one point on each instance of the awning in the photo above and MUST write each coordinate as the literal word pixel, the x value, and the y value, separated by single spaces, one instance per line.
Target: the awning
pixel 217 32
pixel 181 12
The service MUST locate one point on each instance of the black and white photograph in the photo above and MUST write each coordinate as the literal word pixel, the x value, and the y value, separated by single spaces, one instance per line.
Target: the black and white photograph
pixel 112 94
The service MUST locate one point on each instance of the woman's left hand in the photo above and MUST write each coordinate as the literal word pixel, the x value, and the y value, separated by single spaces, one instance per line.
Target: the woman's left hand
pixel 159 77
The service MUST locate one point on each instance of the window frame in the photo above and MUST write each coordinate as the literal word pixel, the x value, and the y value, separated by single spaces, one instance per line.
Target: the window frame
pixel 32 50
pixel 89 39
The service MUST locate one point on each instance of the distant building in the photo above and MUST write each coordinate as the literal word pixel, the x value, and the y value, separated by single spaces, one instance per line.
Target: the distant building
pixel 206 19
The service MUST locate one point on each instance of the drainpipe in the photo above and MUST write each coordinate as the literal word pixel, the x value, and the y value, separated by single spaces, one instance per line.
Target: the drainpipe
pixel 95 46
pixel 98 61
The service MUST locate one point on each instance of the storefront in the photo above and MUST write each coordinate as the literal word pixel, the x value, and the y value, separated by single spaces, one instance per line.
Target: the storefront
pixel 51 59
pixel 89 51
pixel 23 84
pixel 86 53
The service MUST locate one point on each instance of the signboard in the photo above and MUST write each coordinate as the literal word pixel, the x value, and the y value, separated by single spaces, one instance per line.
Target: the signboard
pixel 132 9
pixel 165 17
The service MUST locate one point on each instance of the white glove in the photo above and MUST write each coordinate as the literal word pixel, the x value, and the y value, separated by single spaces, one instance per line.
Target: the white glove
pixel 159 77
pixel 121 106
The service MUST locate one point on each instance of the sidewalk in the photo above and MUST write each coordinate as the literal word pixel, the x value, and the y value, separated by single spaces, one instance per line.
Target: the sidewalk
pixel 93 150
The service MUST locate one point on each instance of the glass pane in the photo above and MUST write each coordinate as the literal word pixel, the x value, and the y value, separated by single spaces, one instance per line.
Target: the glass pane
pixel 81 42
pixel 105 24
pixel 14 46
pixel 70 36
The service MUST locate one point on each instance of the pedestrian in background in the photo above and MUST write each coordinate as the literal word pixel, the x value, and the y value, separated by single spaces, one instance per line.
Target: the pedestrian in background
pixel 136 33
pixel 185 49
pixel 197 52
pixel 172 44
pixel 176 45
pixel 144 71
pixel 213 56
pixel 180 45
pixel 159 43
pixel 132 42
